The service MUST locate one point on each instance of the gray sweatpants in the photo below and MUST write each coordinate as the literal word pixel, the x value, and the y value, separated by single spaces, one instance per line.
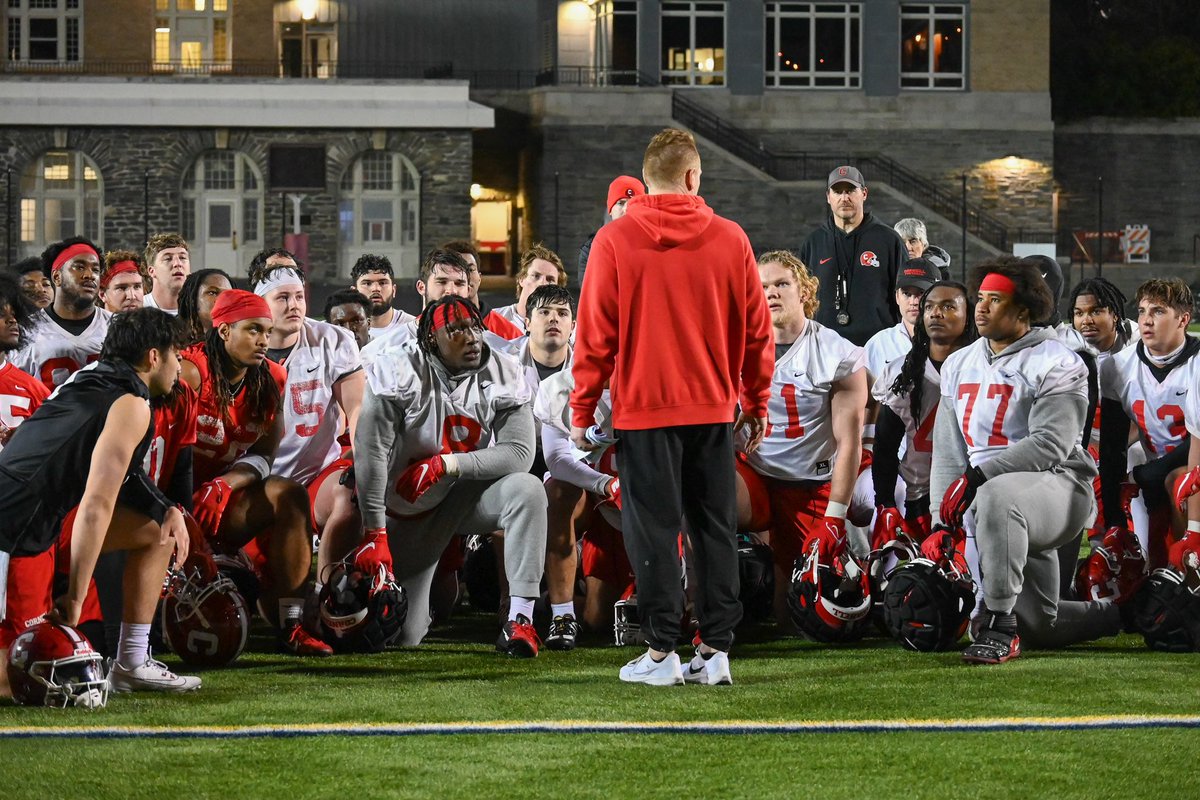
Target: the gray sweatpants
pixel 514 503
pixel 1021 519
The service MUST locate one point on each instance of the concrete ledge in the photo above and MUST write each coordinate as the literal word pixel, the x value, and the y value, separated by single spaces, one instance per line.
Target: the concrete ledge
pixel 168 103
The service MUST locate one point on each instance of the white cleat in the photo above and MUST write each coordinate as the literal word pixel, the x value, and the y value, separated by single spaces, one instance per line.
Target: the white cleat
pixel 150 676
pixel 711 672
pixel 645 669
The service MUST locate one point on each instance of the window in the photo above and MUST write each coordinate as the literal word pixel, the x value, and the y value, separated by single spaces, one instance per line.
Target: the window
pixel 61 196
pixel 192 36
pixel 616 55
pixel 220 209
pixel 932 50
pixel 693 44
pixel 814 44
pixel 44 31
pixel 378 211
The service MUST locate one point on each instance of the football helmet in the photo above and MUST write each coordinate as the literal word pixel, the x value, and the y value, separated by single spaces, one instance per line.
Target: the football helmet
pixel 891 546
pixel 360 611
pixel 927 605
pixel 205 622
pixel 1113 570
pixel 627 625
pixel 1167 613
pixel 480 573
pixel 239 569
pixel 756 571
pixel 829 597
pixel 53 665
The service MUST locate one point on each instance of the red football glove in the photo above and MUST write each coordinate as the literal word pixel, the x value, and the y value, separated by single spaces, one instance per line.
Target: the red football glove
pixel 959 496
pixel 941 544
pixel 1186 486
pixel 420 478
pixel 889 526
pixel 614 493
pixel 919 526
pixel 829 537
pixel 373 552
pixel 208 505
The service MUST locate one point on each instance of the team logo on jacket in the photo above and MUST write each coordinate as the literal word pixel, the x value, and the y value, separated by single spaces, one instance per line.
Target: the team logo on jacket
pixel 869 259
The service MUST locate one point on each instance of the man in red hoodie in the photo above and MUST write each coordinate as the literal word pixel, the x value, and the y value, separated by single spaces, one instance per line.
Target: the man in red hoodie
pixel 672 317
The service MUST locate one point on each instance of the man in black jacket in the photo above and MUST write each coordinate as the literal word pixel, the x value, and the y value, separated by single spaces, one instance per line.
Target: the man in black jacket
pixel 856 258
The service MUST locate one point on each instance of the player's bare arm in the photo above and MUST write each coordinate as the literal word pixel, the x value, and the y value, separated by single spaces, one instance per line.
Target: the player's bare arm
pixel 847 405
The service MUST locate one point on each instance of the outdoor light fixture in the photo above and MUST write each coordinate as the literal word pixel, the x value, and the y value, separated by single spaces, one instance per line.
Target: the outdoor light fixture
pixel 308 9
pixel 476 191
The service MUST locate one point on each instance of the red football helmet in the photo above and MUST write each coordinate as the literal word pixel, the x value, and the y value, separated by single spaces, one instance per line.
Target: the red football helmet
pixel 1113 570
pixel 830 593
pixel 53 665
pixel 204 621
pixel 361 611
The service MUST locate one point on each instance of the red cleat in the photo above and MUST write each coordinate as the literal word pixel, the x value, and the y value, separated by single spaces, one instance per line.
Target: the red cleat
pixel 302 643
pixel 518 638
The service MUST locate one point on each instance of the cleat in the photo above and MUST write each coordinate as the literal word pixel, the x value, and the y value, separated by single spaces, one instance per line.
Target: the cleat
pixel 563 631
pixel 713 671
pixel 150 676
pixel 302 643
pixel 992 647
pixel 645 669
pixel 518 638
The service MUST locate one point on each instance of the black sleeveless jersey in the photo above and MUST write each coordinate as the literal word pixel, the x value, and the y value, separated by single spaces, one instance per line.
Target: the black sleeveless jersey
pixel 44 467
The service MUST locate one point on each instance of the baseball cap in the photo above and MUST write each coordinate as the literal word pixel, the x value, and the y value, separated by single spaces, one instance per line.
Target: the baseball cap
pixel 919 273
pixel 846 174
pixel 622 188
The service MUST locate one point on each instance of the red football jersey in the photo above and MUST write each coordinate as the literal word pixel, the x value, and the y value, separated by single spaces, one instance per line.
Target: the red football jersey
pixel 221 441
pixel 174 429
pixel 20 395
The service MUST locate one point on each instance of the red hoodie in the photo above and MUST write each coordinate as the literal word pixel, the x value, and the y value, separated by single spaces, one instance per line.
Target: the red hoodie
pixel 672 310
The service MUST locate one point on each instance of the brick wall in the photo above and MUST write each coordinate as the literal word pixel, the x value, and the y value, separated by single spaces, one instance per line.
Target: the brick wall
pixel 1010 46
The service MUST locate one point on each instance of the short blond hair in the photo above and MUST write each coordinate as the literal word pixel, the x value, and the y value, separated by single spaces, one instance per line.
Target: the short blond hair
pixel 540 250
pixel 164 241
pixel 807 283
pixel 669 155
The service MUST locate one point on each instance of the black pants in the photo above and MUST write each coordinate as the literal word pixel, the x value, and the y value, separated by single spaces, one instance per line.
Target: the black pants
pixel 667 473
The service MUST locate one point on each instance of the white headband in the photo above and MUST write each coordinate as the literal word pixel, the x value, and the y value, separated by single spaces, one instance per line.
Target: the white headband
pixel 281 276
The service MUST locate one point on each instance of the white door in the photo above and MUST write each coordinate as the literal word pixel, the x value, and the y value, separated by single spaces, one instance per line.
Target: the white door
pixel 221 236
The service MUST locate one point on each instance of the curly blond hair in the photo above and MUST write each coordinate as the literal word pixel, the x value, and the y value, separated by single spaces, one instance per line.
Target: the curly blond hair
pixel 807 283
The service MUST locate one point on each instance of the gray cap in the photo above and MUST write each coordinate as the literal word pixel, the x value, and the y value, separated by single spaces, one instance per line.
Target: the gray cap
pixel 846 174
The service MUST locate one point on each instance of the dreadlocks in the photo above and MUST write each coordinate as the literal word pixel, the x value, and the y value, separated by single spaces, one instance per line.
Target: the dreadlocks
pixel 448 308
pixel 911 380
pixel 260 388
pixel 189 302
pixel 1107 296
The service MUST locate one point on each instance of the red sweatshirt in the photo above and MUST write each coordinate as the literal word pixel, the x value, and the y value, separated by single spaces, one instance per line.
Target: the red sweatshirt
pixel 673 312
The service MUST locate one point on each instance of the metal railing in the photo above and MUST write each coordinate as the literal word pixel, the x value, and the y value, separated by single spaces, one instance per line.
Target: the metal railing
pixel 801 166
pixel 371 70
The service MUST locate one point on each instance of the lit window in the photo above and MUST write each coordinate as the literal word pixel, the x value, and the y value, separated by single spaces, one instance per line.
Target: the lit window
pixel 202 43
pixel 932 46
pixel 61 196
pixel 693 43
pixel 616 55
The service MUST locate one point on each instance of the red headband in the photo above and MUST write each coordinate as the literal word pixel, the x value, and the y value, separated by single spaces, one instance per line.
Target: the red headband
pixel 451 312
pixel 71 252
pixel 235 305
pixel 119 268
pixel 995 282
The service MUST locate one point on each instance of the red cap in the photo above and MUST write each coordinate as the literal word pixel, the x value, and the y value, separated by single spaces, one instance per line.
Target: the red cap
pixel 235 305
pixel 623 188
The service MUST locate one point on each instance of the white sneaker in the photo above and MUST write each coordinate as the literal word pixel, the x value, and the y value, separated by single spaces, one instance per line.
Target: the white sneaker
pixel 150 676
pixel 645 669
pixel 713 672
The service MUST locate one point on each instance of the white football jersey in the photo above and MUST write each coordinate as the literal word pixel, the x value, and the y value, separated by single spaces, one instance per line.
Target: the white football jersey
pixel 917 455
pixel 442 413
pixel 312 419
pixel 148 301
pixel 885 347
pixel 519 349
pixel 399 319
pixel 53 353
pixel 1158 409
pixel 993 398
pixel 799 441
pixel 510 313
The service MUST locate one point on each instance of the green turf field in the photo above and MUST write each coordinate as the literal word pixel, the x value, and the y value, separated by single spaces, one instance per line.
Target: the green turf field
pixel 455 678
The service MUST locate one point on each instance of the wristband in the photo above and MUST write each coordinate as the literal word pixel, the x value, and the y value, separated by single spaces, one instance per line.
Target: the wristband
pixel 1193 526
pixel 869 430
pixel 837 510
